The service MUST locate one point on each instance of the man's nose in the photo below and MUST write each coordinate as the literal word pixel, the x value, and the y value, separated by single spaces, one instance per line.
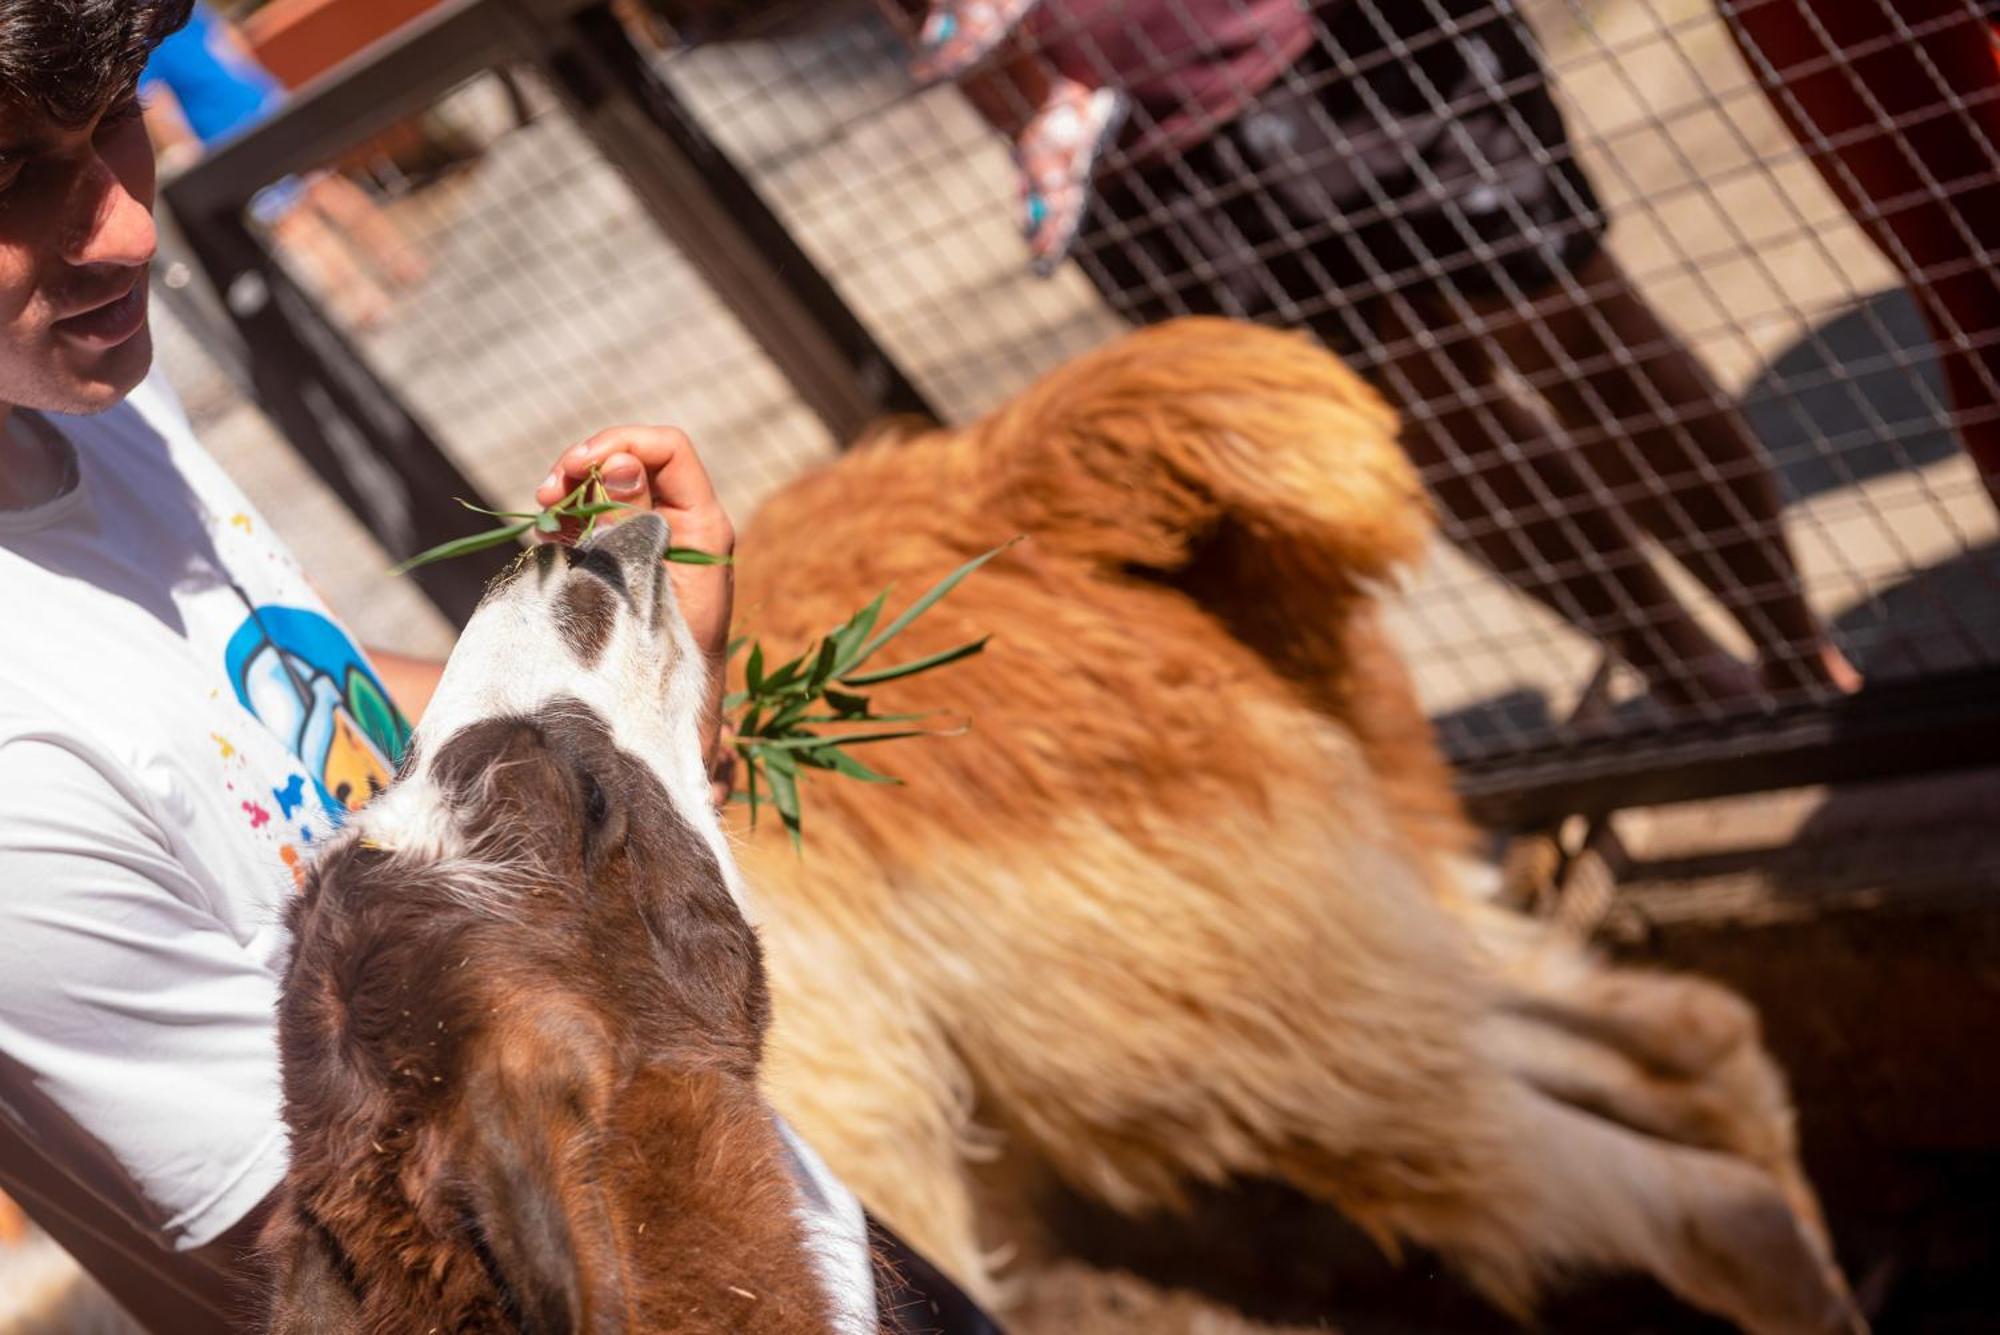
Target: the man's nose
pixel 105 222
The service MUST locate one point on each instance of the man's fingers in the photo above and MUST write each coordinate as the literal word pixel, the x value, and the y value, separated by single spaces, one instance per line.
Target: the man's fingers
pixel 624 476
pixel 649 467
pixel 680 482
pixel 653 446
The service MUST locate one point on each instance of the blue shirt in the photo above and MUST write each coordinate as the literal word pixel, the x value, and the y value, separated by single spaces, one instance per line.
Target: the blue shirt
pixel 221 91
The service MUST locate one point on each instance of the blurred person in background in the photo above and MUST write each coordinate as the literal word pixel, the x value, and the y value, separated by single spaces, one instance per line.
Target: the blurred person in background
pixel 1397 179
pixel 1058 127
pixel 202 86
pixel 1898 107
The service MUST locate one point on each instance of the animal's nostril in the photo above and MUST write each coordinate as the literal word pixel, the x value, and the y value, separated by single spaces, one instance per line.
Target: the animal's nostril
pixel 638 542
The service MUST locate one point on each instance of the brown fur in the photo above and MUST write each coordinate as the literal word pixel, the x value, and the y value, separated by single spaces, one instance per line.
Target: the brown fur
pixel 1190 901
pixel 521 1082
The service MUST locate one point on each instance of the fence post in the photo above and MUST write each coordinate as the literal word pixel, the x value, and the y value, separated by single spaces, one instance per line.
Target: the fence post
pixel 715 217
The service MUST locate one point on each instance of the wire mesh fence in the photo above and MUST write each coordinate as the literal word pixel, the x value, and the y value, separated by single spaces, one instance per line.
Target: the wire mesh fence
pixel 549 306
pixel 1619 309
pixel 1665 349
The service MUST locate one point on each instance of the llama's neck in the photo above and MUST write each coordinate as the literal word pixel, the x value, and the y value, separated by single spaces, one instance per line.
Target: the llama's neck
pixel 710 1211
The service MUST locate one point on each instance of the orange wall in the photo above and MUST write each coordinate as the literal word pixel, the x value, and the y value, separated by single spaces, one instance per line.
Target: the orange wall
pixel 297 39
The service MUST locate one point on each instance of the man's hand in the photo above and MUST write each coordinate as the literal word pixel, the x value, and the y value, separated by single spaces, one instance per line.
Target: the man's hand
pixel 656 468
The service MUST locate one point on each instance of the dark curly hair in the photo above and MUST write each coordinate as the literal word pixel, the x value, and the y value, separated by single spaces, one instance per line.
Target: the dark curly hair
pixel 67 59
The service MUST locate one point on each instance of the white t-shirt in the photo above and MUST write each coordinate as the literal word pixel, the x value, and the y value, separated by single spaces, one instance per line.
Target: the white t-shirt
pixel 181 720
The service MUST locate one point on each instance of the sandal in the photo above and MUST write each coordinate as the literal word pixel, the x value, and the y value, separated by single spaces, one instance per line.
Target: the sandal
pixel 959 34
pixel 1056 154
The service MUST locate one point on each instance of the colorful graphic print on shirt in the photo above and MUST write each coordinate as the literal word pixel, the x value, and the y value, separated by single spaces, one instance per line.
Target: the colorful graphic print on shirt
pixel 305 680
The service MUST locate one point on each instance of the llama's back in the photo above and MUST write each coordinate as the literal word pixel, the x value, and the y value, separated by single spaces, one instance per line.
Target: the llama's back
pixel 1183 906
pixel 1041 930
pixel 1136 870
pixel 1169 488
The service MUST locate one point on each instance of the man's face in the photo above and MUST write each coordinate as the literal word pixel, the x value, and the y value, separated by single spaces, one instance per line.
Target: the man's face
pixel 76 235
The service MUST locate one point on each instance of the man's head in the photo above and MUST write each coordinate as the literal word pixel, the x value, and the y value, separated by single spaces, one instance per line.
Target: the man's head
pixel 76 199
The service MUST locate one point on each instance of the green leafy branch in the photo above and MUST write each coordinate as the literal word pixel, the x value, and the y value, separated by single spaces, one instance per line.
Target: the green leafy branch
pixel 584 505
pixel 783 713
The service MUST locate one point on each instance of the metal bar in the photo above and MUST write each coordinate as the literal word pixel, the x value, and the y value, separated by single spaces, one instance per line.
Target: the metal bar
pixel 363 95
pixel 714 215
pixel 694 21
pixel 1945 722
pixel 346 423
pixel 349 424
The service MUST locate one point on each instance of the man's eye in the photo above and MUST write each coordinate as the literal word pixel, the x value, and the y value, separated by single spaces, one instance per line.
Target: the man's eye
pixel 10 172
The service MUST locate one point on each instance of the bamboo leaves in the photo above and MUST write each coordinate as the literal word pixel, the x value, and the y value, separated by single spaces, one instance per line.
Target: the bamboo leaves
pixel 803 714
pixel 477 542
pixel 583 505
pixel 808 711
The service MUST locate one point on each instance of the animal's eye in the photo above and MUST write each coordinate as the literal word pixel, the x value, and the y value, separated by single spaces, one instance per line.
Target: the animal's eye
pixel 595 805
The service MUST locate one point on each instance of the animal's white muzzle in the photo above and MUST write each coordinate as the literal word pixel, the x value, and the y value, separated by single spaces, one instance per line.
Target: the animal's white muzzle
pixel 595 626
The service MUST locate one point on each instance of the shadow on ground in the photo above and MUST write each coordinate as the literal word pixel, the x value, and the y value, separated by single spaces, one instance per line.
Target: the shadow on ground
pixel 1282 1259
pixel 1943 618
pixel 1858 397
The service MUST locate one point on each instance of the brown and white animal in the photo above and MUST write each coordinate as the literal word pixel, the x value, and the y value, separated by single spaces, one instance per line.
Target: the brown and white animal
pixel 522 1026
pixel 1190 903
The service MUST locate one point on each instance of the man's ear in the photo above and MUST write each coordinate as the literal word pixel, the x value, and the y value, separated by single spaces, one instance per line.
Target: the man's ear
pixel 310 1293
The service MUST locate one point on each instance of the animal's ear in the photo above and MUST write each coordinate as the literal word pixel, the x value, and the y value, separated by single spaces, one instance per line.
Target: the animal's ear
pixel 1147 446
pixel 309 1294
pixel 543 1214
